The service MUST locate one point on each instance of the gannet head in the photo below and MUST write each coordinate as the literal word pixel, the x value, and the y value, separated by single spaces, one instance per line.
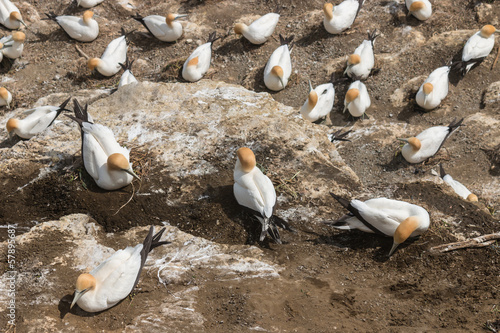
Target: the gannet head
pixel 193 62
pixel 417 5
pixel 16 16
pixel 239 28
pixel 328 10
pixel 4 94
pixel 246 158
pixel 278 71
pixel 93 63
pixel 404 230
pixel 87 16
pixel 12 124
pixel 472 197
pixel 427 88
pixel 354 59
pixel 312 99
pixel 170 18
pixel 118 162
pixel 351 95
pixel 487 31
pixel 19 36
pixel 84 283
pixel 413 142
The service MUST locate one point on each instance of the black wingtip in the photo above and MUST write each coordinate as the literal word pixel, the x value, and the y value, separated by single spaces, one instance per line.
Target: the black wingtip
pixel 127 65
pixel 212 37
pixel 341 200
pixel 455 124
pixel 80 113
pixel 287 40
pixel 338 136
pixel 442 173
pixel 137 17
pixel 372 36
pixel 272 231
pixel 63 104
pixel 277 10
pixel 50 16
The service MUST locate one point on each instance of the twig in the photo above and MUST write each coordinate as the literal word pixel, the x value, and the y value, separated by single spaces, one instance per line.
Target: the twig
pixel 81 52
pixel 496 59
pixel 480 241
pixel 130 199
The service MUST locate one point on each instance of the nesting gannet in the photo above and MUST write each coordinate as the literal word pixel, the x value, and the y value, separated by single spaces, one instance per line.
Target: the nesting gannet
pixel 260 30
pixel 115 53
pixel 279 66
pixel 114 279
pixel 459 189
pixel 386 217
pixel 478 47
pixel 255 191
pixel 127 76
pixel 342 16
pixel 361 62
pixel 104 159
pixel 13 45
pixel 357 99
pixel 166 29
pixel 319 103
pixel 38 120
pixel 198 62
pixel 5 97
pixel 83 29
pixel 421 9
pixel 427 143
pixel 434 89
pixel 10 16
pixel 88 3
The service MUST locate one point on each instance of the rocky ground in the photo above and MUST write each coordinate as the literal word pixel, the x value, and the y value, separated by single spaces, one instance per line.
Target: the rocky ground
pixel 215 276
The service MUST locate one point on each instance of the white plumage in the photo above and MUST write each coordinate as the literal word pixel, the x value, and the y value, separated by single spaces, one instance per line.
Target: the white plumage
pixel 5 97
pixel 319 103
pixel 458 187
pixel 10 16
pixel 82 29
pixel 340 17
pixel 434 89
pixel 198 63
pixel 127 76
pixel 421 9
pixel 259 30
pixel 13 45
pixel 361 62
pixel 88 3
pixel 478 46
pixel 357 100
pixel 114 55
pixel 279 67
pixel 166 29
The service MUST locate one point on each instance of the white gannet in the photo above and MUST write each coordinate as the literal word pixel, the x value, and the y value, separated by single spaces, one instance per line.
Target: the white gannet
pixel 166 29
pixel 255 191
pixel 260 30
pixel 421 9
pixel 198 62
pixel 434 89
pixel 88 3
pixel 38 120
pixel 357 99
pixel 279 66
pixel 319 103
pixel 115 278
pixel 459 189
pixel 361 62
pixel 478 47
pixel 13 45
pixel 83 29
pixel 10 16
pixel 5 97
pixel 115 53
pixel 104 159
pixel 427 143
pixel 393 218
pixel 127 76
pixel 342 16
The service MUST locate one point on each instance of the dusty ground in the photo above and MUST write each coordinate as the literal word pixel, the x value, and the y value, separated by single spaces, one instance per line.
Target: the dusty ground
pixel 344 281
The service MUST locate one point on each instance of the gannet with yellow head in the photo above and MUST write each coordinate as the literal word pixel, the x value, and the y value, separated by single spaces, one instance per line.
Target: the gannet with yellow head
pixel 82 29
pixel 459 189
pixel 5 97
pixel 259 31
pixel 421 9
pixel 361 62
pixel 13 45
pixel 478 47
pixel 341 17
pixel 88 3
pixel 198 63
pixel 166 29
pixel 10 16
pixel 319 103
pixel 434 89
pixel 115 53
pixel 279 66
pixel 357 100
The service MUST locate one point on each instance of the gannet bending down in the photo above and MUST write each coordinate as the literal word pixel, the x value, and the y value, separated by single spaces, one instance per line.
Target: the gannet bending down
pixel 255 191
pixel 459 189
pixel 386 217
pixel 198 62
pixel 259 30
pixel 10 16
pixel 83 29
pixel 361 62
pixel 342 16
pixel 38 120
pixel 434 89
pixel 115 53
pixel 5 97
pixel 478 47
pixel 88 3
pixel 319 103
pixel 114 279
pixel 127 76
pixel 104 159
pixel 421 9
pixel 13 45
pixel 357 99
pixel 427 143
pixel 166 29
pixel 279 66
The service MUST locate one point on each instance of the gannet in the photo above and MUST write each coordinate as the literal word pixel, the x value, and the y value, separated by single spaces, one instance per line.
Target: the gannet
pixel 342 16
pixel 115 278
pixel 361 62
pixel 260 30
pixel 459 189
pixel 83 29
pixel 427 143
pixel 478 47
pixel 386 217
pixel 255 191
pixel 13 45
pixel 38 120
pixel 5 97
pixel 357 99
pixel 115 53
pixel 127 76
pixel 434 89
pixel 279 66
pixel 88 3
pixel 10 16
pixel 104 159
pixel 421 9
pixel 166 29
pixel 198 62
pixel 319 103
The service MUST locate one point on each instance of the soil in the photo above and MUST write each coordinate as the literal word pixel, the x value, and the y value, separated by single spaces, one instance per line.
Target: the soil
pixel 332 280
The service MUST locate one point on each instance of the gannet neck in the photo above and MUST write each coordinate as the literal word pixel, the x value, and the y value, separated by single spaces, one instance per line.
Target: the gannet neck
pixel 414 143
pixel 312 99
pixel 351 95
pixel 404 230
pixel 417 5
pixel 240 28
pixel 428 88
pixel 87 16
pixel 354 59
pixel 12 124
pixel 246 158
pixel 487 31
pixel 328 10
pixel 169 19
pixel 93 63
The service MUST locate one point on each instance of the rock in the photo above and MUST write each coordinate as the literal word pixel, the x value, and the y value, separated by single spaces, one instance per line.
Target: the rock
pixel 29 12
pixel 400 96
pixel 486 14
pixel 492 94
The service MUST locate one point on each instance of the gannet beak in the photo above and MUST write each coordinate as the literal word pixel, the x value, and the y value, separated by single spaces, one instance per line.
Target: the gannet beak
pixel 78 294
pixel 346 106
pixel 132 173
pixel 281 80
pixel 11 135
pixel 180 16
pixel 22 22
pixel 404 140
pixel 394 246
pixel 310 86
